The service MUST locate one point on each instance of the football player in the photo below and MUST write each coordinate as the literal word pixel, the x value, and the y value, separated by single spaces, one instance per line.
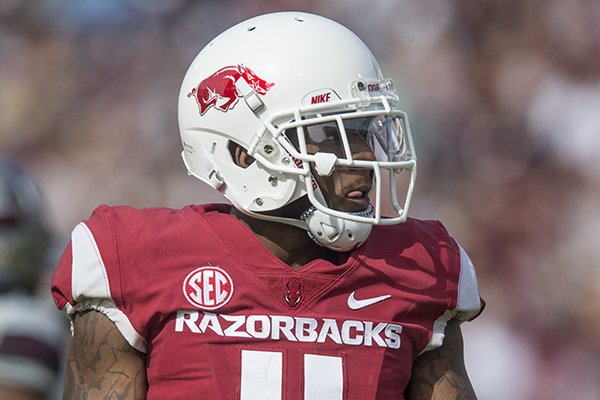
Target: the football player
pixel 31 331
pixel 315 283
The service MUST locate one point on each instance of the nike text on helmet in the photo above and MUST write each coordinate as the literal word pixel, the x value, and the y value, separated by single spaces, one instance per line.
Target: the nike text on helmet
pixel 276 82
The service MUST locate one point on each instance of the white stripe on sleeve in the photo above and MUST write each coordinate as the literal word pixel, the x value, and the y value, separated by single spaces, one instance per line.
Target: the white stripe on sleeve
pixel 468 302
pixel 91 288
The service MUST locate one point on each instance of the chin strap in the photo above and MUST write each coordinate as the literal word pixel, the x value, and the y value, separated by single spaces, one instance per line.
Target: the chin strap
pixel 335 233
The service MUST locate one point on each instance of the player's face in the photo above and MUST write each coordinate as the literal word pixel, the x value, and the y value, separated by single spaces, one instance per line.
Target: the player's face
pixel 345 189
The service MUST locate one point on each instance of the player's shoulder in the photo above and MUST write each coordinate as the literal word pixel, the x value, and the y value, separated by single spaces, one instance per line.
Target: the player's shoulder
pixel 127 216
pixel 426 241
pixel 129 213
pixel 412 229
pixel 430 226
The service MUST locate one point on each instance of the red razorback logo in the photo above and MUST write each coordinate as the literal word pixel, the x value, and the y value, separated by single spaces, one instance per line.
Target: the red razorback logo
pixel 293 292
pixel 219 91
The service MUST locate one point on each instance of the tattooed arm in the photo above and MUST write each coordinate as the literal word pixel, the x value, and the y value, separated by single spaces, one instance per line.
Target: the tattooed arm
pixel 440 373
pixel 101 364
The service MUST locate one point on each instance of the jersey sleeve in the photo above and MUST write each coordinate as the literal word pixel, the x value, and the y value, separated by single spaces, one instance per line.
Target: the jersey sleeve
pixel 88 275
pixel 469 303
pixel 464 302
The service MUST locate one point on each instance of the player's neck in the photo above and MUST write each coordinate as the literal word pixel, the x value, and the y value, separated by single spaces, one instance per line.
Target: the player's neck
pixel 288 243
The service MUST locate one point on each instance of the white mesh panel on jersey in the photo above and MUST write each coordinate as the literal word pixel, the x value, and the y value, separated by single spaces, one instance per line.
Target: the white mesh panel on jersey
pixel 468 302
pixel 90 287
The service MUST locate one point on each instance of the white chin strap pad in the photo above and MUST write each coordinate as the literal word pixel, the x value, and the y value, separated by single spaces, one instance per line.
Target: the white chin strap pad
pixel 336 233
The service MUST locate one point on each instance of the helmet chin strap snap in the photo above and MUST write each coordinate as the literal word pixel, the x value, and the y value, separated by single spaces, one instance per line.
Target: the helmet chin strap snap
pixel 336 233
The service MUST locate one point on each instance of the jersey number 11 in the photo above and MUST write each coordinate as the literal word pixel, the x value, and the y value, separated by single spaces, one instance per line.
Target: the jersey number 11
pixel 262 373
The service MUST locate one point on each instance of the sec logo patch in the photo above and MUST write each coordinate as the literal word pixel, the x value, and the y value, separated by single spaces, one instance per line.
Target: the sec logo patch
pixel 208 287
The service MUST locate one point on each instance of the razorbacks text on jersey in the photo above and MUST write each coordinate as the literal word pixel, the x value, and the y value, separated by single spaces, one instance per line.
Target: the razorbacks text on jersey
pixel 222 318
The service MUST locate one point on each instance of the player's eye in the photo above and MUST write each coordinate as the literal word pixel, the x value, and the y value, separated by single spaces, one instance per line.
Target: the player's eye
pixel 322 133
pixel 331 134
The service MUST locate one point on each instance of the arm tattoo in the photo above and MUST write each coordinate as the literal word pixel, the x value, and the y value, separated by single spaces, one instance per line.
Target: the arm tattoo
pixel 101 364
pixel 440 374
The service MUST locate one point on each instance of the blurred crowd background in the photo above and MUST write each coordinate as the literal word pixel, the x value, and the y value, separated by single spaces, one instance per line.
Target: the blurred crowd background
pixel 504 102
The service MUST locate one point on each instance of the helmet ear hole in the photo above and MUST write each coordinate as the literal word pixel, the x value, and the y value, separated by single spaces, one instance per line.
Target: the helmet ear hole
pixel 240 155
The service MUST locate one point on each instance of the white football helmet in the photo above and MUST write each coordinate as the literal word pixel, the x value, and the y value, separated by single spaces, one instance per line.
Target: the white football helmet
pixel 275 82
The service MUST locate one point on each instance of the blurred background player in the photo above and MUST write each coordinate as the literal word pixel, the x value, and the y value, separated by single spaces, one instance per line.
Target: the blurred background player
pixel 31 333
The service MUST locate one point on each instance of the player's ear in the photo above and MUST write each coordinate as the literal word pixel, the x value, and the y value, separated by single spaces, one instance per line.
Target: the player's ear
pixel 240 155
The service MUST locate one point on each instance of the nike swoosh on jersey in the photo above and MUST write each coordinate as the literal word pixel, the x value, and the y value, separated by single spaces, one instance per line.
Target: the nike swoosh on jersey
pixel 355 304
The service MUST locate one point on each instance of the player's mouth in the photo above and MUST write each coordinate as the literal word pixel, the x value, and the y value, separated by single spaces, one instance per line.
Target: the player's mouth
pixel 359 198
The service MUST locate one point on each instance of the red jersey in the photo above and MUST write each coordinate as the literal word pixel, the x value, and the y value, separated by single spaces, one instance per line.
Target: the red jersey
pixel 220 317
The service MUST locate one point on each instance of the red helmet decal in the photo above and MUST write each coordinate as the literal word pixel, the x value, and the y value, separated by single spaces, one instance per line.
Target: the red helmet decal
pixel 219 90
pixel 208 287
